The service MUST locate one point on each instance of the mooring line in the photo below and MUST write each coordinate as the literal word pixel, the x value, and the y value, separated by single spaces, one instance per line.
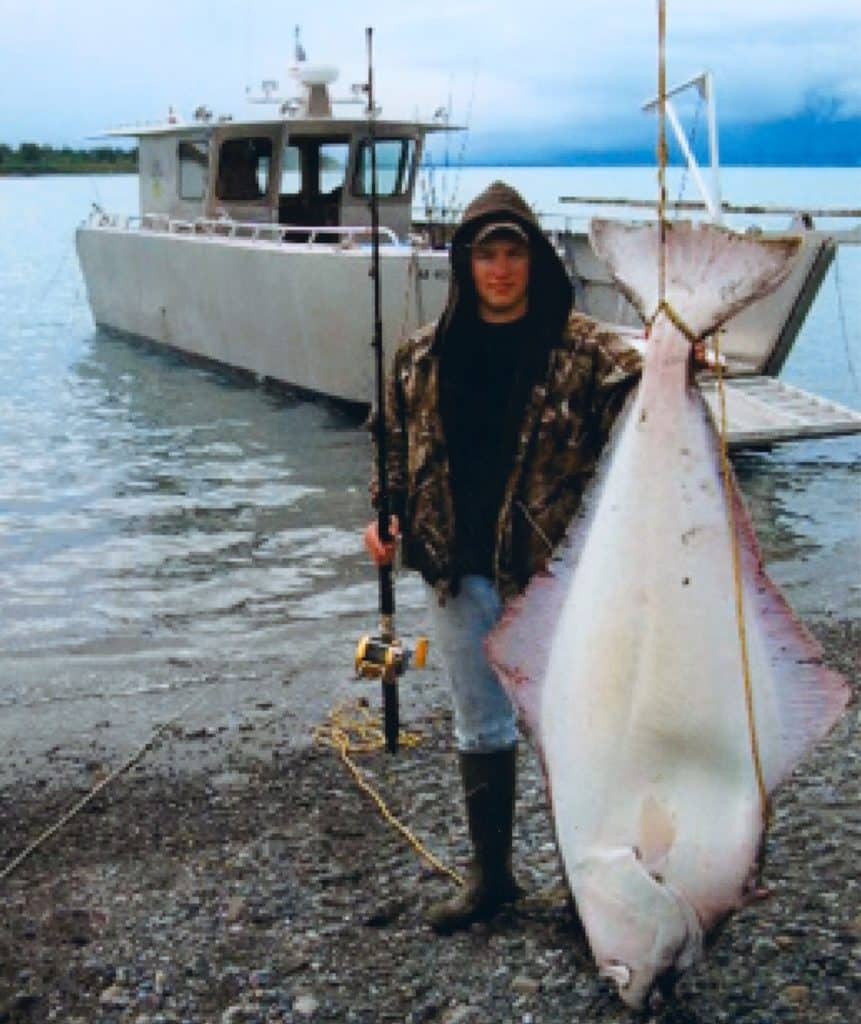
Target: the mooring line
pixel 726 471
pixel 662 152
pixel 841 315
pixel 738 586
pixel 94 792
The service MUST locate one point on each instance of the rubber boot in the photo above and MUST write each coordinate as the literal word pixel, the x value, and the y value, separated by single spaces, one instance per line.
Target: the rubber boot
pixel 488 784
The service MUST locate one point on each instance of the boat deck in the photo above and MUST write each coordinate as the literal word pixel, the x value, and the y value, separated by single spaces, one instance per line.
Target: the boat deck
pixel 765 411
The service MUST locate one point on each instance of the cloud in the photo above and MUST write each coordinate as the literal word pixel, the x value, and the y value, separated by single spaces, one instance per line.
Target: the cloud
pixel 848 95
pixel 526 71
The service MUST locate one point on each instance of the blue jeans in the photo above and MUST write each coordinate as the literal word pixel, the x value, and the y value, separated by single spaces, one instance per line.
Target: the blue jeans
pixel 484 719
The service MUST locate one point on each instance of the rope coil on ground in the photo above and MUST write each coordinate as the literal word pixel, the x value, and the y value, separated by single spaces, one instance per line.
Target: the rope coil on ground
pixel 350 729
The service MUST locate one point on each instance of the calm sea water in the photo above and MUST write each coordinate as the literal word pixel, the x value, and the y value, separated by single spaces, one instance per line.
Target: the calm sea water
pixel 158 520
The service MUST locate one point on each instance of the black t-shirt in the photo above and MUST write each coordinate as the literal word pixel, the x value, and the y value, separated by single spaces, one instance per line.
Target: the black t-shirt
pixel 486 382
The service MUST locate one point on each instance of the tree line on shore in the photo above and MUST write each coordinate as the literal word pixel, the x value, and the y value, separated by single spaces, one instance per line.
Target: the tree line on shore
pixel 32 158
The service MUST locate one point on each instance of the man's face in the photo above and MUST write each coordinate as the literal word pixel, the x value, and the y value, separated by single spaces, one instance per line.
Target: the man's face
pixel 500 272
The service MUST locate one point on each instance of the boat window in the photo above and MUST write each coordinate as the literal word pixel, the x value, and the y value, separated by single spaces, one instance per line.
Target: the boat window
pixel 243 168
pixel 193 168
pixel 291 171
pixel 394 167
pixel 333 166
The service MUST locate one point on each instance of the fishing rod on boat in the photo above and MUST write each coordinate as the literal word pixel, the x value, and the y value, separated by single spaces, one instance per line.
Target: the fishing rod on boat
pixel 383 656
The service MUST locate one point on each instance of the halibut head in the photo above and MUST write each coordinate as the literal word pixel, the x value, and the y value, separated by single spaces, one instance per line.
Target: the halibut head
pixel 625 659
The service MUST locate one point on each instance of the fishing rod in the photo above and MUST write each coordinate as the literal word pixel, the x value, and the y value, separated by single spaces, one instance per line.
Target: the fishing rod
pixel 383 656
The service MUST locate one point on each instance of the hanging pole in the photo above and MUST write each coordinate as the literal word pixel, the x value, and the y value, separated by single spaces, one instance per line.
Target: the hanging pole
pixel 714 154
pixel 704 84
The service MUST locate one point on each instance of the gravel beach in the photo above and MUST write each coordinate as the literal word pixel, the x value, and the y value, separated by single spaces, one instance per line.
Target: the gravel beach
pixel 239 875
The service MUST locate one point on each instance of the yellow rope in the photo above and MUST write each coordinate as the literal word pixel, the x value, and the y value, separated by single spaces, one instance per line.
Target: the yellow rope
pixel 739 590
pixel 675 319
pixel 352 729
pixel 662 151
pixel 76 808
pixel 666 308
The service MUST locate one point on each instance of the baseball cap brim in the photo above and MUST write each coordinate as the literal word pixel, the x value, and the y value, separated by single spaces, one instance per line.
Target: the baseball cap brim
pixel 500 227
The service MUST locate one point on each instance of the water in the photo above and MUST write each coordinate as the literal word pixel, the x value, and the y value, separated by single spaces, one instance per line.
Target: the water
pixel 163 526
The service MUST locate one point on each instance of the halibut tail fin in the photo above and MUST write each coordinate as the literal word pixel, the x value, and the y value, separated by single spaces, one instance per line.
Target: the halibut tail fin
pixel 711 272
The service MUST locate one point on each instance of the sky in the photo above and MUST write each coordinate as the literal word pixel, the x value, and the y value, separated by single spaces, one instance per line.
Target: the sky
pixel 532 77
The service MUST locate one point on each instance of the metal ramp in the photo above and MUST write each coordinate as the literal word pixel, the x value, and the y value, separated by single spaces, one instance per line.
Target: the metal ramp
pixel 765 411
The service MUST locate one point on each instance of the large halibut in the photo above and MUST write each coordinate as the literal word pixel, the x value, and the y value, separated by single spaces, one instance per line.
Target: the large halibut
pixel 625 660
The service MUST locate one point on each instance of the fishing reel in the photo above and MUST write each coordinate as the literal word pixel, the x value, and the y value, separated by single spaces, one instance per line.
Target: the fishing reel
pixel 386 657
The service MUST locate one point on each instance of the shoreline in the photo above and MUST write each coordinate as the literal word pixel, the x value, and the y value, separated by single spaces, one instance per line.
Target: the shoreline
pixel 239 875
pixel 43 172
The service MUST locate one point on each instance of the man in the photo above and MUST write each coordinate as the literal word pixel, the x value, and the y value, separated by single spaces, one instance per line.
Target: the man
pixel 496 415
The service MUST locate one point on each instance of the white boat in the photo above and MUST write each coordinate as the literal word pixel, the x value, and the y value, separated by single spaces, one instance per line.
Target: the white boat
pixel 253 243
pixel 252 249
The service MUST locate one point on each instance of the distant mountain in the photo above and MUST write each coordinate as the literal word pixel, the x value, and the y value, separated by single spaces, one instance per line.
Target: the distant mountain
pixel 806 140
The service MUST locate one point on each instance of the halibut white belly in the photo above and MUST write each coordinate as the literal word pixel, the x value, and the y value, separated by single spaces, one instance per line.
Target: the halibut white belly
pixel 626 658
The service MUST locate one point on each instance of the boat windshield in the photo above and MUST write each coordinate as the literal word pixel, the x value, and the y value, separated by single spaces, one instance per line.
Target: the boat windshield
pixel 313 172
pixel 395 160
pixel 243 168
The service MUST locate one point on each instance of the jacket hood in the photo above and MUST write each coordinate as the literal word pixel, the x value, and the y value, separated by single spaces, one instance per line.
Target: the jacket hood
pixel 550 290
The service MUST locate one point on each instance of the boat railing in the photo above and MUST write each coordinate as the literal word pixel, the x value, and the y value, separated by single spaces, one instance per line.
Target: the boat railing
pixel 800 218
pixel 343 235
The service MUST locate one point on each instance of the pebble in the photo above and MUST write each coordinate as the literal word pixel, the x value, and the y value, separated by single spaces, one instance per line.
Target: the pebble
pixel 25 1002
pixel 796 994
pixel 114 996
pixel 235 910
pixel 523 985
pixel 305 1005
pixel 463 1014
pixel 229 780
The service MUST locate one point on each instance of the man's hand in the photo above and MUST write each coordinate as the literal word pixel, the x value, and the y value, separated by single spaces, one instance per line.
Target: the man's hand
pixel 382 554
pixel 700 357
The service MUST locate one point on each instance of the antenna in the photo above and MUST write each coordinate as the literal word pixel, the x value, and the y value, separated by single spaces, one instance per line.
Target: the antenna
pixel 299 54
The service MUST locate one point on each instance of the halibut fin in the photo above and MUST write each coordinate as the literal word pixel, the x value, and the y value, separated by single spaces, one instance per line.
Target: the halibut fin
pixel 810 697
pixel 518 647
pixel 711 273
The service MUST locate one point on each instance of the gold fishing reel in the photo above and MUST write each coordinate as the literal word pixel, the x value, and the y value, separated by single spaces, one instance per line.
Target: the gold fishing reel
pixel 382 657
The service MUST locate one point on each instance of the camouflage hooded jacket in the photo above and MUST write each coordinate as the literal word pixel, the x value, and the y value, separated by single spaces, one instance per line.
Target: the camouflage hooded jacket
pixel 587 375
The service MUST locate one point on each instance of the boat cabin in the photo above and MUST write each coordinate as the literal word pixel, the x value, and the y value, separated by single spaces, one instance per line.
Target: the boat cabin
pixel 305 169
pixel 275 174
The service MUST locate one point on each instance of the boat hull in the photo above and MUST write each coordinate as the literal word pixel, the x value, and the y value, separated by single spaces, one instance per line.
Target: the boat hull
pixel 297 314
pixel 756 340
